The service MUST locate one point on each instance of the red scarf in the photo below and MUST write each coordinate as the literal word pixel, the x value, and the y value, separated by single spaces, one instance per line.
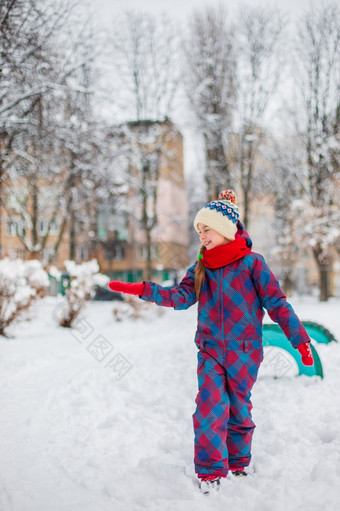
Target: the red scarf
pixel 225 254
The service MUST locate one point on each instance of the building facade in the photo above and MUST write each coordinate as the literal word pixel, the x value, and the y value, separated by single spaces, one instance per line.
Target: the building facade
pixel 122 250
pixel 117 238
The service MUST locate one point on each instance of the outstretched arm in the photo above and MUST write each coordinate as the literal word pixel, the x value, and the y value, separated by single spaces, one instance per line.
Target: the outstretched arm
pixel 279 310
pixel 178 297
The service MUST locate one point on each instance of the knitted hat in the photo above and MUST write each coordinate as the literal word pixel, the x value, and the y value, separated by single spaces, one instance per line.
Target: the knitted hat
pixel 221 215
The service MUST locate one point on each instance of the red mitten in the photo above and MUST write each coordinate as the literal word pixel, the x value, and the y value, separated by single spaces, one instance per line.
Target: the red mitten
pixel 127 287
pixel 306 354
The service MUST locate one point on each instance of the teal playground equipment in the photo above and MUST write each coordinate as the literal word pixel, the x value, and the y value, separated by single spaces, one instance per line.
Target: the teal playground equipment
pixel 273 336
pixel 318 332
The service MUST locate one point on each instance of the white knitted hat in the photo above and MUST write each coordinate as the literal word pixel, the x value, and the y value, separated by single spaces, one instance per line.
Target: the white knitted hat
pixel 221 215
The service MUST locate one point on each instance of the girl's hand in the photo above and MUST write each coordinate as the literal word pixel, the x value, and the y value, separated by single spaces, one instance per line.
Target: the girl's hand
pixel 127 287
pixel 306 354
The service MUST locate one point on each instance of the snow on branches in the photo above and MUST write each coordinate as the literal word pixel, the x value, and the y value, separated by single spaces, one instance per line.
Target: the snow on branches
pixel 21 284
pixel 83 279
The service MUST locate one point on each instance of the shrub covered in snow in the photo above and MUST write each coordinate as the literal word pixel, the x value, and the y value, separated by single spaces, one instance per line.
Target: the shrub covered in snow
pixel 21 283
pixel 83 279
pixel 134 308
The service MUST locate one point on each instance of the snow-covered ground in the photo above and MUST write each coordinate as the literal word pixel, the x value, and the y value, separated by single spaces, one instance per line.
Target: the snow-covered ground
pixel 99 418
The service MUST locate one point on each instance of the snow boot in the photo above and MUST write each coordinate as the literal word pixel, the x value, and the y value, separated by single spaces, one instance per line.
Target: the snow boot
pixel 209 483
pixel 239 472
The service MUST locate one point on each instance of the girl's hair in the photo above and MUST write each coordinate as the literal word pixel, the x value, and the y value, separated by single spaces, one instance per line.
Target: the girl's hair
pixel 199 274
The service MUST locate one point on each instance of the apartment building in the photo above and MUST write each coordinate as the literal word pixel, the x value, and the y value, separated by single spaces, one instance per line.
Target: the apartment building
pixel 117 239
pixel 122 243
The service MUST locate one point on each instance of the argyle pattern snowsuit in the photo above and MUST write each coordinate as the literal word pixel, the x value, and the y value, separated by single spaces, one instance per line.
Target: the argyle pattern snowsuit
pixel 229 339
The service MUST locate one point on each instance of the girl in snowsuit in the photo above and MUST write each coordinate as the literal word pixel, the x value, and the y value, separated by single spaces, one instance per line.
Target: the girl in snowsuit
pixel 232 284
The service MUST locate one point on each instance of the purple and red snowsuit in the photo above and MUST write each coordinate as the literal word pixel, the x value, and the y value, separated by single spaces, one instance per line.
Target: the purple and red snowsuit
pixel 229 338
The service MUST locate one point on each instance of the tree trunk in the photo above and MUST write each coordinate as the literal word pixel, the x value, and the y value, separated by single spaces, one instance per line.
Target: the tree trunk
pixel 324 282
pixel 245 219
pixel 149 222
pixel 287 284
pixel 35 210
pixel 324 274
pixel 1 170
pixel 72 209
pixel 247 181
pixel 148 270
pixel 72 233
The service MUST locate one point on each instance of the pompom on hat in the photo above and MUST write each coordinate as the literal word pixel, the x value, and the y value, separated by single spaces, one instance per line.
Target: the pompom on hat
pixel 221 215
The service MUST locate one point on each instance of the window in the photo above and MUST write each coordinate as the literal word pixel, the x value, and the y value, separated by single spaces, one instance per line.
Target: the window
pixel 115 252
pixel 83 253
pixel 15 227
pixel 42 226
pixel 143 253
pixel 11 228
pixel 119 252
pixel 54 227
pixel 48 255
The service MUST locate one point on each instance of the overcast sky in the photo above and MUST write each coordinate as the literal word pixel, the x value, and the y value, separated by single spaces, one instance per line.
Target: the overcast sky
pixel 183 8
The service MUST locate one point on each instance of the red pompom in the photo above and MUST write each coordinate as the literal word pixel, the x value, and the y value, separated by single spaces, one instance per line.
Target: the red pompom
pixel 228 195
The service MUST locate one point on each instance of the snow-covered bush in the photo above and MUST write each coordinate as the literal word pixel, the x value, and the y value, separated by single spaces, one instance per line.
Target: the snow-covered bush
pixel 134 308
pixel 83 279
pixel 21 283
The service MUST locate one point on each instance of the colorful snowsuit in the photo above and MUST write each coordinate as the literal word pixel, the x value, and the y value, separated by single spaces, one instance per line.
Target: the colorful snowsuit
pixel 229 338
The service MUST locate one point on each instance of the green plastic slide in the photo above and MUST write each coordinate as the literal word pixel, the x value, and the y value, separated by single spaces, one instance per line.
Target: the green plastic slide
pixel 318 332
pixel 273 336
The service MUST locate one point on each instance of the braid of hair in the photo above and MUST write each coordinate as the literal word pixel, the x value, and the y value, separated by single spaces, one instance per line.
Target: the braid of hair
pixel 199 274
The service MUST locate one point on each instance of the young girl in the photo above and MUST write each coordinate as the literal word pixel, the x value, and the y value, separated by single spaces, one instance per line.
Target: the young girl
pixel 231 284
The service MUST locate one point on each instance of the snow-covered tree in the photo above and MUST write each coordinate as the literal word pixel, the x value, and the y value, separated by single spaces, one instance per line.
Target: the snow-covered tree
pixel 147 142
pixel 145 63
pixel 83 279
pixel 52 146
pixel 82 139
pixel 260 45
pixel 25 30
pixel 284 187
pixel 209 72
pixel 145 60
pixel 317 66
pixel 21 284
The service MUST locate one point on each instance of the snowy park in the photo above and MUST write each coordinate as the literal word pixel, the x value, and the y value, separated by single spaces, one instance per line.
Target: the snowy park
pixel 184 154
pixel 79 432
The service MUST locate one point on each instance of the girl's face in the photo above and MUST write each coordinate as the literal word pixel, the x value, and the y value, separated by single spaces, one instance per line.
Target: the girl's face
pixel 210 238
